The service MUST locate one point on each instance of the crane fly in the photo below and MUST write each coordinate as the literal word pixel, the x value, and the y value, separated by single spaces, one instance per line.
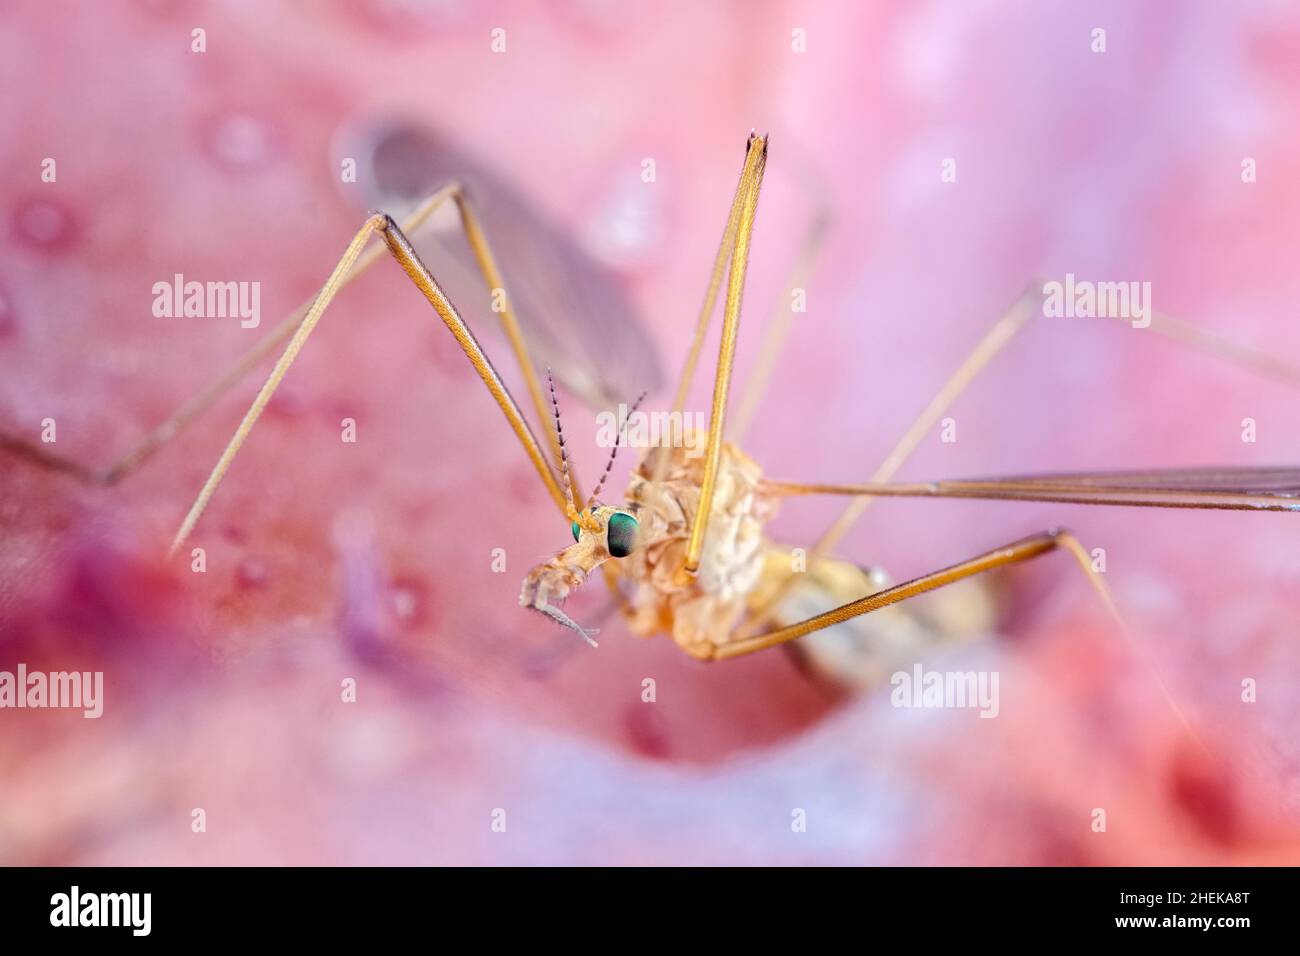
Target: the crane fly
pixel 685 549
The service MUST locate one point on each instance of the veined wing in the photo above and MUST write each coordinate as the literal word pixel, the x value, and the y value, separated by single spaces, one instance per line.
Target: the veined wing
pixel 1235 489
pixel 573 311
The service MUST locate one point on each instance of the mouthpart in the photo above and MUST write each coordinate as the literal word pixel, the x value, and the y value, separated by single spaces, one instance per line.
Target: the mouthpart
pixel 557 615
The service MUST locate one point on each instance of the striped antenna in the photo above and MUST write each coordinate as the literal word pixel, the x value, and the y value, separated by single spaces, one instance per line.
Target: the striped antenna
pixel 564 454
pixel 614 451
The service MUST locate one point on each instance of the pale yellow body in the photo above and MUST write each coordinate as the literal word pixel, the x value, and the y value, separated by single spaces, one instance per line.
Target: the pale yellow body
pixel 700 611
pixel 739 568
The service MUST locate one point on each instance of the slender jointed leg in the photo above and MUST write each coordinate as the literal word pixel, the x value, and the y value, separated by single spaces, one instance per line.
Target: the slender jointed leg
pixel 778 328
pixel 998 337
pixel 720 261
pixel 478 243
pixel 1018 551
pixel 139 453
pixel 994 341
pixel 751 180
pixel 405 254
pixel 1013 553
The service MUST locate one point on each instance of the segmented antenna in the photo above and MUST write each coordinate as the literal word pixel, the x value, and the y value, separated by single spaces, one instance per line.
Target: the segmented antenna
pixel 614 451
pixel 564 455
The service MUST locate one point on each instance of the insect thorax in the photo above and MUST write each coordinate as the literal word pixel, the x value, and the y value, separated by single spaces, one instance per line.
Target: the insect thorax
pixel 702 611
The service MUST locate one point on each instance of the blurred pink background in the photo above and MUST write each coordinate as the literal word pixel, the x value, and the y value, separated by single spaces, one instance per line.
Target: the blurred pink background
pixel 372 561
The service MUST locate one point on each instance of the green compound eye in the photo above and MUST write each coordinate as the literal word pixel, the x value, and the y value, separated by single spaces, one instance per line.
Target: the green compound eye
pixel 621 534
pixel 576 531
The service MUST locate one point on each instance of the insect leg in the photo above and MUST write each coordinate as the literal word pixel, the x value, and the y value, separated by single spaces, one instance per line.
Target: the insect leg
pixel 1013 553
pixel 156 438
pixel 778 329
pixel 1016 552
pixel 476 236
pixel 711 293
pixel 1255 360
pixel 402 251
pixel 1003 331
pixel 752 180
pixel 994 341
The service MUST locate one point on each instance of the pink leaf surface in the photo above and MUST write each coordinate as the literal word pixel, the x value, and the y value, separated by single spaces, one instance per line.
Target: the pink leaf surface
pixel 373 561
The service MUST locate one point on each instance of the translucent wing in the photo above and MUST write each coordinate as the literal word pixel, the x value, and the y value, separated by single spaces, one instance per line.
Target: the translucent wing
pixel 573 311
pixel 1237 489
pixel 1271 489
